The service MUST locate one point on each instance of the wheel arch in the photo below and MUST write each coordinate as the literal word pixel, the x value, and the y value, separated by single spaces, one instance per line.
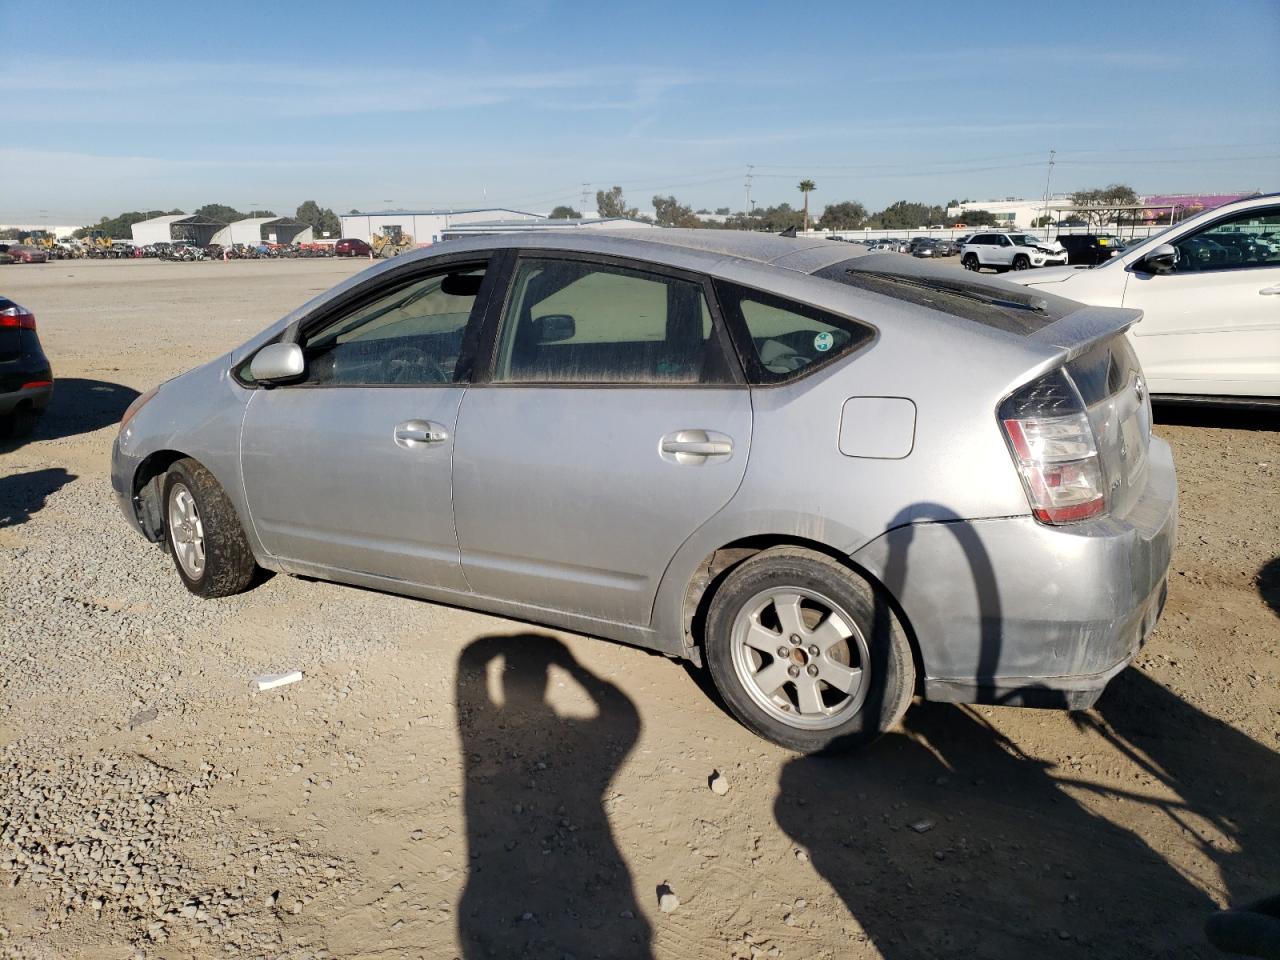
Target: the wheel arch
pixel 147 492
pixel 719 563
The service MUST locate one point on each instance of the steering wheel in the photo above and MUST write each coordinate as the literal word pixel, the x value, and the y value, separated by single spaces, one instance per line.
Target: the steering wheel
pixel 408 365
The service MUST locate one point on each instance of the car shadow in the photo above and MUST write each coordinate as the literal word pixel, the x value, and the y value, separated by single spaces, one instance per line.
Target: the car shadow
pixel 1222 418
pixel 78 406
pixel 924 835
pixel 546 877
pixel 24 494
pixel 1269 584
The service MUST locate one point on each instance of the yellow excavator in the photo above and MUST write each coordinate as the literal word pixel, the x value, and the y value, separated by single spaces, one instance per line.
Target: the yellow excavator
pixel 391 243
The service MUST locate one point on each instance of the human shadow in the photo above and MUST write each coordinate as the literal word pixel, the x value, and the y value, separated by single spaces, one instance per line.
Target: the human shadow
pixel 945 839
pixel 77 406
pixel 546 877
pixel 24 494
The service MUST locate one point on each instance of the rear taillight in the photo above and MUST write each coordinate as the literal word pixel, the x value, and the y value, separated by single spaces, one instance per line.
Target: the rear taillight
pixel 1055 450
pixel 132 410
pixel 15 316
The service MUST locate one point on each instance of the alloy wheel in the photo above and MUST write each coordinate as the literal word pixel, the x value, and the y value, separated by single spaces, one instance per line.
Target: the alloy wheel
pixel 800 657
pixel 186 531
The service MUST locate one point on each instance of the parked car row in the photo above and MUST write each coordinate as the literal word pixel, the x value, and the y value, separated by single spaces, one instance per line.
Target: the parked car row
pixel 21 253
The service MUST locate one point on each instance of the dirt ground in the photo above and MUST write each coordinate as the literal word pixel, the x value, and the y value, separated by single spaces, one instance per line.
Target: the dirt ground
pixel 447 784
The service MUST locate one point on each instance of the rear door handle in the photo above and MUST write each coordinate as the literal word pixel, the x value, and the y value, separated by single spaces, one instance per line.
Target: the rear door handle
pixel 415 433
pixel 695 446
pixel 1270 291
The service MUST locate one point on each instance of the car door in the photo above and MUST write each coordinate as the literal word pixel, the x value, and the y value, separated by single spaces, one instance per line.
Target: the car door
pixel 612 423
pixel 349 468
pixel 1212 326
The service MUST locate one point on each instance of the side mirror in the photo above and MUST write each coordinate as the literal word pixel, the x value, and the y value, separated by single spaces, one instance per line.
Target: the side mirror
pixel 554 327
pixel 277 361
pixel 1163 259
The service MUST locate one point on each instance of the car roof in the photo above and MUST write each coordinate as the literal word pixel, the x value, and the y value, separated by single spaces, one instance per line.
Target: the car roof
pixel 697 249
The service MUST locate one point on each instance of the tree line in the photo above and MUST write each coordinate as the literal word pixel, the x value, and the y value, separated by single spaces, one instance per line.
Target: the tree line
pixel 321 220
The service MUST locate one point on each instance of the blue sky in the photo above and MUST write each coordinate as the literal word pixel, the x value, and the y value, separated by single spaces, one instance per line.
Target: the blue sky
pixel 115 106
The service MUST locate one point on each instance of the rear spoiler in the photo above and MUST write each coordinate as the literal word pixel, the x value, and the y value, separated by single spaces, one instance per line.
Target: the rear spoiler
pixel 1078 331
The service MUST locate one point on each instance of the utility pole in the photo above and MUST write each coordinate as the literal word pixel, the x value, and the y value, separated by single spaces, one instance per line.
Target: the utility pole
pixel 749 207
pixel 1048 177
pixel 586 193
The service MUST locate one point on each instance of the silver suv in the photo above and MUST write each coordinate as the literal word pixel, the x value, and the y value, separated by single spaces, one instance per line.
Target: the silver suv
pixel 835 482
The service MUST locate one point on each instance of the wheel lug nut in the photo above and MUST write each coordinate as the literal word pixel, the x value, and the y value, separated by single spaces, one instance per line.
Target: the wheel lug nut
pixel 793 671
pixel 813 669
pixel 813 650
pixel 782 653
pixel 795 639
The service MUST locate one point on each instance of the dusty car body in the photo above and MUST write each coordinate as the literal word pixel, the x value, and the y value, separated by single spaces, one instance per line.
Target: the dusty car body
pixel 836 481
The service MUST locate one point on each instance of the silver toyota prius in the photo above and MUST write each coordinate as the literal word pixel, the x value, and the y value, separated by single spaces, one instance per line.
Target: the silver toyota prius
pixel 835 482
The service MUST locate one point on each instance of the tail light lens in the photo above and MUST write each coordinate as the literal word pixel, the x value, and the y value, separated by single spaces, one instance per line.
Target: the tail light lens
pixel 1055 450
pixel 16 316
pixel 132 410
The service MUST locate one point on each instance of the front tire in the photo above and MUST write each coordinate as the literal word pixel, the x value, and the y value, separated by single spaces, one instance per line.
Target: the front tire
pixel 203 533
pixel 806 653
pixel 970 262
pixel 1020 262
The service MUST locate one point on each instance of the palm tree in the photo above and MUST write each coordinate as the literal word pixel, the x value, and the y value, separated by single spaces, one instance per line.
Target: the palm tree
pixel 806 187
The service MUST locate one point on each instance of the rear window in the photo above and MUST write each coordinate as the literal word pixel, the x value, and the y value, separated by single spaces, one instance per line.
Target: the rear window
pixel 993 304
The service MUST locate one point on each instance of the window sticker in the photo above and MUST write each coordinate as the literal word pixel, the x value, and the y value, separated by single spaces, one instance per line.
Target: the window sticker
pixel 822 342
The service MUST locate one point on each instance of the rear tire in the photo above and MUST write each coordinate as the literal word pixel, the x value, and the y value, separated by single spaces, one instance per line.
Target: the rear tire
pixel 806 653
pixel 203 533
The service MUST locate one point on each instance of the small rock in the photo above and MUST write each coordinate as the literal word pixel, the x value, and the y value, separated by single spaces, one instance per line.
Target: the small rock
pixel 923 826
pixel 802 856
pixel 668 902
pixel 719 784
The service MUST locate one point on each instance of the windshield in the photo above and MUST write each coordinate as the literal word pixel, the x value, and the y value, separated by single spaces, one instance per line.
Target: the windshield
pixel 1026 239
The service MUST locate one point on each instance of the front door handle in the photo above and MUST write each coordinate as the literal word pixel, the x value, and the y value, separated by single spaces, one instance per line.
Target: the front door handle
pixel 695 446
pixel 1270 291
pixel 415 433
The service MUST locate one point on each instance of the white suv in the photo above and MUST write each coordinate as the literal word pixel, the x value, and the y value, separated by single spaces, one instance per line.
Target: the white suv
pixel 1011 251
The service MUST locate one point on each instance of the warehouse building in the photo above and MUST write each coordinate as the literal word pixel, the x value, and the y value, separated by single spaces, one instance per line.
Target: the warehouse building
pixel 425 226
pixel 171 227
pixel 253 231
pixel 528 226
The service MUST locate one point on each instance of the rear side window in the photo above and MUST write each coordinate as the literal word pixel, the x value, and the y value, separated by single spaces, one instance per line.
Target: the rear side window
pixel 570 321
pixel 786 339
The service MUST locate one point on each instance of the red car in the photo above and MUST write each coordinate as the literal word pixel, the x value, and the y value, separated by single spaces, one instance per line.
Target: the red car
pixel 351 248
pixel 22 253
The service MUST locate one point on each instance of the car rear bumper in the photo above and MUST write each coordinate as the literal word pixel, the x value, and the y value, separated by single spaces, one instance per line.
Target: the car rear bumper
pixel 1015 612
pixel 37 397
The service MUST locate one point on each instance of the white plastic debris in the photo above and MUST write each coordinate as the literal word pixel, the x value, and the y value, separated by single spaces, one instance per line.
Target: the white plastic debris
pixel 269 681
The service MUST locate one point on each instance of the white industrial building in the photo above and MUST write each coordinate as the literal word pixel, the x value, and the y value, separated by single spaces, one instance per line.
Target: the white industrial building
pixel 425 226
pixel 176 226
pixel 1009 212
pixel 253 231
pixel 483 227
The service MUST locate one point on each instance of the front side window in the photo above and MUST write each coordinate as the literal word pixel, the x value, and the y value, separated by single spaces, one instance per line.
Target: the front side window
pixel 570 321
pixel 787 339
pixel 411 336
pixel 1246 240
